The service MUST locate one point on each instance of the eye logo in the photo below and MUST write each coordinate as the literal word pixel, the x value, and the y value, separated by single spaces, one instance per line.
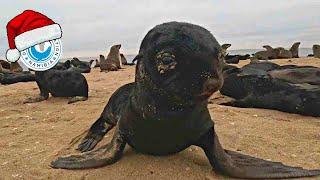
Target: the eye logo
pixel 35 40
pixel 42 56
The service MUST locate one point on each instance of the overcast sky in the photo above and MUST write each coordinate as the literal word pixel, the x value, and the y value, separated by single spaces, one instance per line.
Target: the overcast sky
pixel 90 27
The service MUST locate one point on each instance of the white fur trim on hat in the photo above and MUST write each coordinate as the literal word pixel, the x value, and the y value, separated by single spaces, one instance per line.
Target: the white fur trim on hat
pixel 13 55
pixel 38 35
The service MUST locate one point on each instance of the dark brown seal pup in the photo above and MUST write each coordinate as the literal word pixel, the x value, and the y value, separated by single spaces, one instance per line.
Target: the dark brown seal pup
pixel 165 110
pixel 61 83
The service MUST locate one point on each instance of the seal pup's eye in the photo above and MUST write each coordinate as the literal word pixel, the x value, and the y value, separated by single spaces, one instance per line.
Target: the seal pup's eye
pixel 165 61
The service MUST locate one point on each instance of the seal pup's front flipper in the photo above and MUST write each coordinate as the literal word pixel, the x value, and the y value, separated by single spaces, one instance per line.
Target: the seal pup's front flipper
pixel 106 155
pixel 95 134
pixel 238 165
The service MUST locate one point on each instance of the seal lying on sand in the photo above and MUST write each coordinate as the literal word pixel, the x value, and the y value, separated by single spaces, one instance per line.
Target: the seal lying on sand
pixel 61 83
pixel 267 85
pixel 75 65
pixel 8 77
pixel 165 110
pixel 80 66
pixel 267 54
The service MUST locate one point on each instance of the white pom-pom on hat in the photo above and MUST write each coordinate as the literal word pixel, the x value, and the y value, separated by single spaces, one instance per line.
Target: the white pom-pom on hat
pixel 13 55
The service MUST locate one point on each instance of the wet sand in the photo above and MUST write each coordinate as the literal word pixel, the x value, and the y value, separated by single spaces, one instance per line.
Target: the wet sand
pixel 32 135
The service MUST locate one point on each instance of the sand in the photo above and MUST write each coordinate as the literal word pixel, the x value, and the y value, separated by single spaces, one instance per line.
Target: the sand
pixel 32 135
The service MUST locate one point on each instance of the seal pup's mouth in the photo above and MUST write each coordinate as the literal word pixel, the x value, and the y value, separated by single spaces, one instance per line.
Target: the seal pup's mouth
pixel 210 86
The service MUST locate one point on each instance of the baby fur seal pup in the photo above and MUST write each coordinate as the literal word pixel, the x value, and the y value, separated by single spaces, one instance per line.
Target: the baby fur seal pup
pixel 165 110
pixel 60 83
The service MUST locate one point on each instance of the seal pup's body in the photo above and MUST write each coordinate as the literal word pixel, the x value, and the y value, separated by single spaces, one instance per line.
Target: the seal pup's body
pixel 61 83
pixel 165 110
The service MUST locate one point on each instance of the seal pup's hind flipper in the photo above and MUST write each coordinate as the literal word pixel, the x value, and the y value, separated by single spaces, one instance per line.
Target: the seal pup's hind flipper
pixel 238 165
pixel 76 99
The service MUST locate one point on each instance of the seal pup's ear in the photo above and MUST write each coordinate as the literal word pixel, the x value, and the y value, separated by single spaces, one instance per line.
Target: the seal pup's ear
pixel 139 56
pixel 67 64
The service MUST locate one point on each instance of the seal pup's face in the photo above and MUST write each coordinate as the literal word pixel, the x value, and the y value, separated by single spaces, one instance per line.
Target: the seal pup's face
pixel 184 61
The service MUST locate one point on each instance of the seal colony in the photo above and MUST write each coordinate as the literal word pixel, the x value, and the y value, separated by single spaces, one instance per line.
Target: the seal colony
pixel 288 88
pixel 165 110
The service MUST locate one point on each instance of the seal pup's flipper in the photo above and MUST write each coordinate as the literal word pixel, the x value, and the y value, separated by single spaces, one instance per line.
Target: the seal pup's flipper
pixel 106 155
pixel 76 99
pixel 107 120
pixel 95 134
pixel 238 165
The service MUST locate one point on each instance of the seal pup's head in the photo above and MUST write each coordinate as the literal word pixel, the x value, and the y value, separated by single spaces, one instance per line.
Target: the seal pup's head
pixel 180 62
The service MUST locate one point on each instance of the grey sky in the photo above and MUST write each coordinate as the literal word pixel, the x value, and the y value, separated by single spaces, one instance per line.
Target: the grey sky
pixel 90 27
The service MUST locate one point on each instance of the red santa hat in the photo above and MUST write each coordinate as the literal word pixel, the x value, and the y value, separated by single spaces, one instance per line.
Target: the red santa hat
pixel 28 29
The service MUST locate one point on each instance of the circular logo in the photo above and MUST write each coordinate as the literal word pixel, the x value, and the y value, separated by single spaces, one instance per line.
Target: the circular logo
pixel 42 56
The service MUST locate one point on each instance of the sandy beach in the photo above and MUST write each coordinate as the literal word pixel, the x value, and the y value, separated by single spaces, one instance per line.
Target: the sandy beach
pixel 32 135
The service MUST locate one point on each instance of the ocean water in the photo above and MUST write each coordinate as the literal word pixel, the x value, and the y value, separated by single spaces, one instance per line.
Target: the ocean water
pixel 303 52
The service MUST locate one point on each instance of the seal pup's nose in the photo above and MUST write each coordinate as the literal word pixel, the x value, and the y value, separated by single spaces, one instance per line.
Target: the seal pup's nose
pixel 211 85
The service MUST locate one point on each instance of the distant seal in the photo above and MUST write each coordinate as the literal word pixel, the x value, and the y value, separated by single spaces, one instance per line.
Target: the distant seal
pixel 94 63
pixel 295 50
pixel 5 64
pixel 12 78
pixel 232 59
pixel 3 70
pixel 80 66
pixel 283 53
pixel 165 110
pixel 267 54
pixel 316 51
pixel 60 83
pixel 123 59
pixel 106 66
pixel 9 77
pixel 114 56
pixel 15 67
